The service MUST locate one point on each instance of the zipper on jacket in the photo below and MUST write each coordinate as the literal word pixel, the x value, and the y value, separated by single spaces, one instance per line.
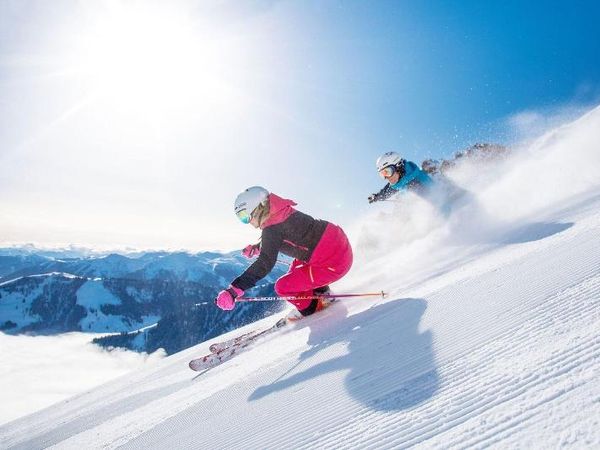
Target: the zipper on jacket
pixel 295 245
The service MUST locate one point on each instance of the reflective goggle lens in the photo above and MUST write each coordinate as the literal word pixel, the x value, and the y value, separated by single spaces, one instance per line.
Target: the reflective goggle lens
pixel 387 171
pixel 244 216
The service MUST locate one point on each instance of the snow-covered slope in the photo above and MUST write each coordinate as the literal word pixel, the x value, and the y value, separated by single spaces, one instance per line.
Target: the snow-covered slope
pixel 490 336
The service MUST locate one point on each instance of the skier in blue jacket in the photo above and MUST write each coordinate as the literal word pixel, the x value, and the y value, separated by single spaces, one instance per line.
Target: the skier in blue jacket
pixel 401 175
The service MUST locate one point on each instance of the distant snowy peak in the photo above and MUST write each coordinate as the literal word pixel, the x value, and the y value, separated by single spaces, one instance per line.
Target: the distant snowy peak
pixel 40 275
pixel 15 263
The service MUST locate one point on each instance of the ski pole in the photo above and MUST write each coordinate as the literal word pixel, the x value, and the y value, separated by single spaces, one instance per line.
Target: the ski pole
pixel 308 297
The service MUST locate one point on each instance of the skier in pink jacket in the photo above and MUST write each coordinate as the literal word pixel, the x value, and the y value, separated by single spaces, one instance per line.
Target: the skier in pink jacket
pixel 321 251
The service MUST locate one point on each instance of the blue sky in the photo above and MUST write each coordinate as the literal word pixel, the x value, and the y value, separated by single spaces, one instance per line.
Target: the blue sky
pixel 127 123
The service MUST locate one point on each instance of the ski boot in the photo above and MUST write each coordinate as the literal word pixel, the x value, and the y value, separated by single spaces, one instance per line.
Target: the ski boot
pixel 316 305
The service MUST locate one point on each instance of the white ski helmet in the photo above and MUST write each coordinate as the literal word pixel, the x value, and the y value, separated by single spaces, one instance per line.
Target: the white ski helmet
pixel 387 159
pixel 247 201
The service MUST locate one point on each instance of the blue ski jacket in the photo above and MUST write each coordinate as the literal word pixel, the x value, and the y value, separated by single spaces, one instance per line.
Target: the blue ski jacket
pixel 412 178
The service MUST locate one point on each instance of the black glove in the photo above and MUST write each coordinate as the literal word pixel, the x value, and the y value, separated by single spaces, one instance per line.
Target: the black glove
pixel 372 198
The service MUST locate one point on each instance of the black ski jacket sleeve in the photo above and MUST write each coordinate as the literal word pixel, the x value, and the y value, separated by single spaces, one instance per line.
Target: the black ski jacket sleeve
pixel 297 236
pixel 269 249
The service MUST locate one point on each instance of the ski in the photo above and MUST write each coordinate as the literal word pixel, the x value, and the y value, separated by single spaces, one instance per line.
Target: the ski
pixel 223 351
pixel 220 346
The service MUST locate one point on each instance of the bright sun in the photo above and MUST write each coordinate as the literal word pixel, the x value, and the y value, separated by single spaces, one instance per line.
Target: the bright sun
pixel 141 57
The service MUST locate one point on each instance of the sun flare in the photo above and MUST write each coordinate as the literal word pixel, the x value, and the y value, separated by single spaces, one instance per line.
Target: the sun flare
pixel 139 58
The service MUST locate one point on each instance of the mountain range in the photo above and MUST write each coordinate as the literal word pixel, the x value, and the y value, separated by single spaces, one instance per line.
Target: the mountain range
pixel 143 301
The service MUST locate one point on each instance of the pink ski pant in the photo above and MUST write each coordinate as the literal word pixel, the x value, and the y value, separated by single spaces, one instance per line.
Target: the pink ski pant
pixel 330 261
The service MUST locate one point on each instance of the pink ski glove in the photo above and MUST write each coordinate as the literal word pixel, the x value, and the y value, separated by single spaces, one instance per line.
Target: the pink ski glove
pixel 226 298
pixel 251 250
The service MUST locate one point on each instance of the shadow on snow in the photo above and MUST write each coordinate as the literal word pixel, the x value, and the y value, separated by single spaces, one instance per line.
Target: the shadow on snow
pixel 535 231
pixel 390 362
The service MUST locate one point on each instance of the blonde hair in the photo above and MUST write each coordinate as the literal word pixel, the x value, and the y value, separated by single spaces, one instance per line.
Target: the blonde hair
pixel 261 213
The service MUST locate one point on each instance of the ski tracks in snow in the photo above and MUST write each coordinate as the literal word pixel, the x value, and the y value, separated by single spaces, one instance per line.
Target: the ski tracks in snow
pixel 502 352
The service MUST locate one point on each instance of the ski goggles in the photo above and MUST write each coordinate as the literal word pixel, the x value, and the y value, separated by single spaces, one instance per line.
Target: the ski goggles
pixel 387 171
pixel 244 216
